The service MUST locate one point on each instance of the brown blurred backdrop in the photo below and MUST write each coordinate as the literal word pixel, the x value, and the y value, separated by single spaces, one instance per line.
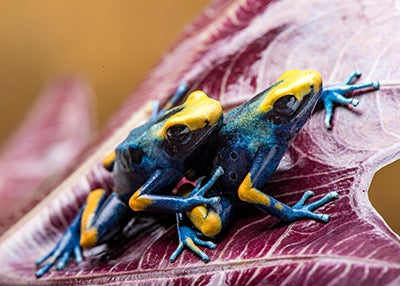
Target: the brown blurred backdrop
pixel 112 44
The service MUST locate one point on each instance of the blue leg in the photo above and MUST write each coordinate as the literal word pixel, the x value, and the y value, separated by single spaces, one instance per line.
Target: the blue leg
pixel 147 199
pixel 175 99
pixel 155 109
pixel 178 95
pixel 68 245
pixel 249 191
pixel 199 190
pixel 299 211
pixel 99 220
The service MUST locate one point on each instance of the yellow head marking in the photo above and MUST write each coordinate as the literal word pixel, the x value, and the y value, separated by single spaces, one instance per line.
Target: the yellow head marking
pixel 198 111
pixel 138 204
pixel 249 194
pixel 292 82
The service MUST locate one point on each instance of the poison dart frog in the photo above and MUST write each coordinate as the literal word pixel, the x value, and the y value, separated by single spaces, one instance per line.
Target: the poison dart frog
pixel 146 167
pixel 249 147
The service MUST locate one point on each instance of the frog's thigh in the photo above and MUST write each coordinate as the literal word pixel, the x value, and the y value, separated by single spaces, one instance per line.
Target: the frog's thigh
pixel 93 203
pixel 248 193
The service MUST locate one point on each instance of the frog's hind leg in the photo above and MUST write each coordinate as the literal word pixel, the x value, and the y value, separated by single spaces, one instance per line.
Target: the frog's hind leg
pixel 249 191
pixel 103 217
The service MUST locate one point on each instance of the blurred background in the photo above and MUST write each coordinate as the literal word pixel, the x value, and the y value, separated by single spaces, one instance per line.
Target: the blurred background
pixel 112 44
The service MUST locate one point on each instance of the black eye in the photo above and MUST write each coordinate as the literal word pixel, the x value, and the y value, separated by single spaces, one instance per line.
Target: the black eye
pixel 179 133
pixel 135 155
pixel 286 105
pixel 277 119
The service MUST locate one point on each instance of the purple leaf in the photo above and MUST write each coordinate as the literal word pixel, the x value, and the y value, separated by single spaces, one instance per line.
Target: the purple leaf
pixel 58 127
pixel 231 51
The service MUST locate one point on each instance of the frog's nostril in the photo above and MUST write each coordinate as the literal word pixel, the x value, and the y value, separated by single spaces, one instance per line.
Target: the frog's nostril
pixel 135 155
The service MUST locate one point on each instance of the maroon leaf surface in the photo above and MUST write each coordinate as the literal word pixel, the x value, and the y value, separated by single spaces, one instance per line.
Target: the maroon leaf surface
pixel 50 138
pixel 231 51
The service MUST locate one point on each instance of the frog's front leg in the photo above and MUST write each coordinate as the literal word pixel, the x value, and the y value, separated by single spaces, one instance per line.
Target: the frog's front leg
pixel 147 198
pixel 249 191
pixel 336 94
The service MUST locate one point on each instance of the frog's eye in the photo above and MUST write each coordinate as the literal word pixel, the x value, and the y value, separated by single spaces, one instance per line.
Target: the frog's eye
pixel 179 134
pixel 283 109
pixel 135 155
pixel 286 105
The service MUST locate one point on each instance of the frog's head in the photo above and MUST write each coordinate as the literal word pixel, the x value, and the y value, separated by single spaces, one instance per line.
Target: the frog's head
pixel 176 133
pixel 291 101
pixel 191 124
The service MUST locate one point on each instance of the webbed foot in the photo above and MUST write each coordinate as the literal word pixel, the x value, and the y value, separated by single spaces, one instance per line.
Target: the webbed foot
pixel 189 238
pixel 196 196
pixel 304 211
pixel 68 246
pixel 336 94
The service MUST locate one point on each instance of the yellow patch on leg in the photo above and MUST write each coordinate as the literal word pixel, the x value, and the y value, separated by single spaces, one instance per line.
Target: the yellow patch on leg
pixel 208 222
pixel 92 203
pixel 279 206
pixel 137 203
pixel 249 194
pixel 89 238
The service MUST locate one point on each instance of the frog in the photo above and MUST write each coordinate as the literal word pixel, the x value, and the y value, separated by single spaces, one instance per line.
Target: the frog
pixel 250 144
pixel 146 166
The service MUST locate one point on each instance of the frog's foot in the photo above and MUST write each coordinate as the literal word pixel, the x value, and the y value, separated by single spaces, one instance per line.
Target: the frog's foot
pixel 302 210
pixel 376 84
pixel 196 196
pixel 68 246
pixel 189 238
pixel 201 190
pixel 355 75
pixel 332 98
pixel 336 94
